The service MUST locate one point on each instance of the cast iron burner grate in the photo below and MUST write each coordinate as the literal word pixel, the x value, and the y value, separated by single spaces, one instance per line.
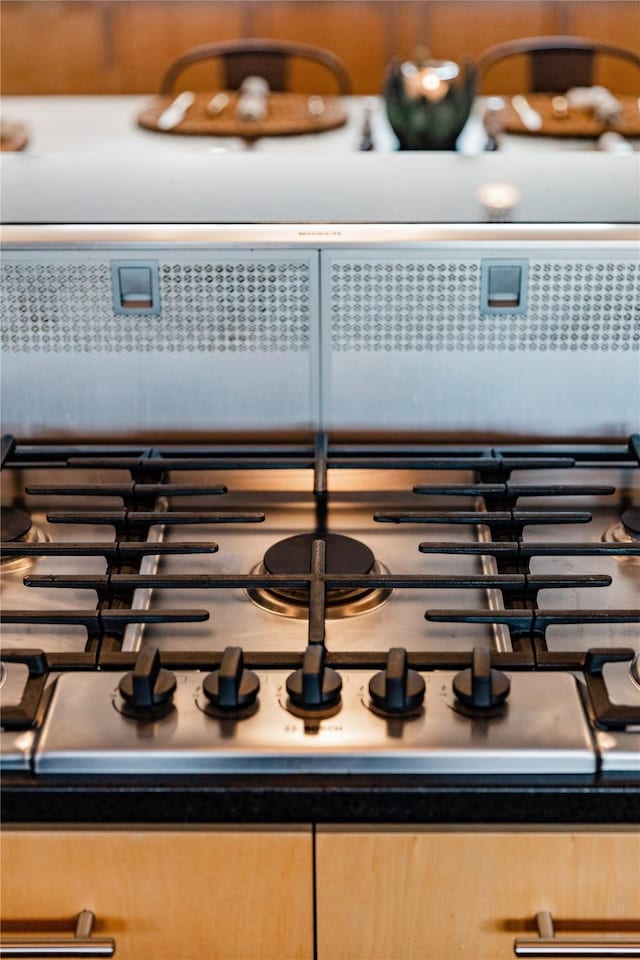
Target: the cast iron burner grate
pixel 154 473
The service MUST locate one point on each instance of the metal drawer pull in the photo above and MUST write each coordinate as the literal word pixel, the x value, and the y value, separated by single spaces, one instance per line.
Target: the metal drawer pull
pixel 546 944
pixel 82 944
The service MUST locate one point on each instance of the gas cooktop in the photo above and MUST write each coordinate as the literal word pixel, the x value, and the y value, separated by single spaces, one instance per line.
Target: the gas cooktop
pixel 382 607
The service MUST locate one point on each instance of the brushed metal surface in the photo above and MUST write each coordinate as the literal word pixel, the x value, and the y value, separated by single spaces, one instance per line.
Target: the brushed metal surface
pixel 331 343
pixel 234 347
pixel 85 733
pixel 411 324
pixel 16 749
pixel 323 234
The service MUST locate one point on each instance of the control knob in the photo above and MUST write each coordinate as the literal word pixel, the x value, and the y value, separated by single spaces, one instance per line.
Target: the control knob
pixel 232 687
pixel 396 689
pixel 148 690
pixel 315 688
pixel 481 687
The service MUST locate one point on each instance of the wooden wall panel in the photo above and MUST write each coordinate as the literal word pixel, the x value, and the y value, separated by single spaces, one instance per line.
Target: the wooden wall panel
pixel 58 47
pixel 356 30
pixel 616 22
pixel 124 46
pixel 151 35
pixel 465 29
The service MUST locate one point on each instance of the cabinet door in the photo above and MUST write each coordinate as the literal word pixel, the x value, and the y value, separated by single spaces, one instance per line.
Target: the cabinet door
pixel 421 896
pixel 165 895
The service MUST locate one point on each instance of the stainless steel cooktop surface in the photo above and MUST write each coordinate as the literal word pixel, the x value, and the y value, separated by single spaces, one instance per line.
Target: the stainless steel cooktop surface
pixel 321 606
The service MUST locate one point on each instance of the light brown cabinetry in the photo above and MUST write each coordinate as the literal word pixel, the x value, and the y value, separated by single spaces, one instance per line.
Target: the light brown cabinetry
pixel 451 896
pixel 388 894
pixel 164 895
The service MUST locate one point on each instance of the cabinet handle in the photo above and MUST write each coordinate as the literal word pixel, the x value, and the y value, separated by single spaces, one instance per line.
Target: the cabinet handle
pixel 82 944
pixel 546 944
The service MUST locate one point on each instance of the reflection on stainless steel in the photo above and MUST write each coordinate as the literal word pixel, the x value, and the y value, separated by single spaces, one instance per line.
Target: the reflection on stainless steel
pixel 340 603
pixel 546 944
pixel 618 533
pixel 13 680
pixel 16 565
pixel 501 638
pixel 436 524
pixel 82 944
pixel 498 200
pixel 142 598
pixel 355 739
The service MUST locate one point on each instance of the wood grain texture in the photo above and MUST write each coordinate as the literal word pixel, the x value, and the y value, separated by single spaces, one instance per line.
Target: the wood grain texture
pixel 124 46
pixel 150 36
pixel 477 25
pixel 452 896
pixel 58 47
pixel 165 895
pixel 617 21
pixel 356 31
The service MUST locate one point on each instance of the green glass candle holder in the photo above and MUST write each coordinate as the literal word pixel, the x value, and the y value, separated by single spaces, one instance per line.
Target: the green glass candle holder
pixel 428 102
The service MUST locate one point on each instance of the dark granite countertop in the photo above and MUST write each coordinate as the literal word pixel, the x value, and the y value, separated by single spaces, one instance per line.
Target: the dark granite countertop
pixel 321 799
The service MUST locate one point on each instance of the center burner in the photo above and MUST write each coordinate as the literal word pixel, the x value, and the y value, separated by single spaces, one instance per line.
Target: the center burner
pixel 343 555
pixel 626 530
pixel 16 526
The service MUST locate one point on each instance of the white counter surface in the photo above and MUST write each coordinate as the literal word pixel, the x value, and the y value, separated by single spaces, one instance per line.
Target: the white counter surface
pixel 87 161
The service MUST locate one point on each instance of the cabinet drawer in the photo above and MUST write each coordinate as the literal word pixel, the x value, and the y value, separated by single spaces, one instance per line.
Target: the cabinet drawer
pixel 382 896
pixel 165 895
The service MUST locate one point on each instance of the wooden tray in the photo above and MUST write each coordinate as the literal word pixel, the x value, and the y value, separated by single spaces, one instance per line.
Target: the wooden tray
pixel 13 136
pixel 577 123
pixel 287 114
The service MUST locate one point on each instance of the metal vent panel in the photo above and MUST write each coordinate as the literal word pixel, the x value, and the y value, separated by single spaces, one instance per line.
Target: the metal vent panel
pixel 254 303
pixel 405 344
pixel 234 346
pixel 417 304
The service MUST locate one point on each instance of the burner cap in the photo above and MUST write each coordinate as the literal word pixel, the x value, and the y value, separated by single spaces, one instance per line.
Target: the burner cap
pixel 15 523
pixel 631 521
pixel 343 555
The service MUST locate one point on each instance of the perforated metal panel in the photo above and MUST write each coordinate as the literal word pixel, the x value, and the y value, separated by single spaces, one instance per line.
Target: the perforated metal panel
pixel 432 304
pixel 213 306
pixel 235 345
pixel 374 337
pixel 406 344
